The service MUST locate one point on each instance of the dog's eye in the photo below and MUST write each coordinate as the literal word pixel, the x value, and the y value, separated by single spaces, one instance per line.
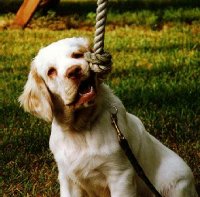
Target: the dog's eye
pixel 77 55
pixel 52 72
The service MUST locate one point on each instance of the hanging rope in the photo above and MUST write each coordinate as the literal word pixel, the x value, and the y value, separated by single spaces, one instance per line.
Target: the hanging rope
pixel 99 60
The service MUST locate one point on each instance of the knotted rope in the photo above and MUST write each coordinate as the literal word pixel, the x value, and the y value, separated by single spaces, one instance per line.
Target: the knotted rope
pixel 99 60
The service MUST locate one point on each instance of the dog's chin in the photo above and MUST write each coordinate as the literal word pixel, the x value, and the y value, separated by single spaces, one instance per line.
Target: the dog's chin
pixel 86 94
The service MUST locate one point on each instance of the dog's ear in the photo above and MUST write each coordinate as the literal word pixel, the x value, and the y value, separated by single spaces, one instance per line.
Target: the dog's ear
pixel 36 98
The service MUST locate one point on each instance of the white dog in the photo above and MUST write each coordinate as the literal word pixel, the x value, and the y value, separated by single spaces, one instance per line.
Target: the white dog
pixel 63 90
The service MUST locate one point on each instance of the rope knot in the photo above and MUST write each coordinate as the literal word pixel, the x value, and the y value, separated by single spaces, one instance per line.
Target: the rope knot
pixel 99 63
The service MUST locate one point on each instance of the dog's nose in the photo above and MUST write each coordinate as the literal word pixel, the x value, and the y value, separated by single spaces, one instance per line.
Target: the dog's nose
pixel 74 72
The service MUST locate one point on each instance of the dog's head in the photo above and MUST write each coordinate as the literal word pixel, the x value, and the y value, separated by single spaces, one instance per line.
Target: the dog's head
pixel 59 71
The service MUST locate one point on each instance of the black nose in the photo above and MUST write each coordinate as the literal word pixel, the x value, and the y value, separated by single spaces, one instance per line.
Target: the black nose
pixel 74 72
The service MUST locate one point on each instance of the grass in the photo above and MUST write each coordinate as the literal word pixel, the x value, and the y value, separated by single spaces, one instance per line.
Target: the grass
pixel 155 73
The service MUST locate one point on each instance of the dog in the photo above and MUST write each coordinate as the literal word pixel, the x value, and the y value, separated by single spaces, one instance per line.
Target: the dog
pixel 62 89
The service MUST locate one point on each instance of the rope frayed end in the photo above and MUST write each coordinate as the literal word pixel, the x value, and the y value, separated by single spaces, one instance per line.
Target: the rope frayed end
pixel 99 63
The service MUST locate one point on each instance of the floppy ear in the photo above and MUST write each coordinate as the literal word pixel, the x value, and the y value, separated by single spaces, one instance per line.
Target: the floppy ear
pixel 36 98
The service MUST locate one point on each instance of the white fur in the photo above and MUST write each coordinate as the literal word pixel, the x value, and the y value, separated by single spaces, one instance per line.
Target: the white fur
pixel 84 142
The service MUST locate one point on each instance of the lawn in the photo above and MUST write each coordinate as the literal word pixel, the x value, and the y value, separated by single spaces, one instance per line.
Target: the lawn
pixel 156 73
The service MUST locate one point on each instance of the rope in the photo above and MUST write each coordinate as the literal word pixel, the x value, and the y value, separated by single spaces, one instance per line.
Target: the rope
pixel 99 60
pixel 100 25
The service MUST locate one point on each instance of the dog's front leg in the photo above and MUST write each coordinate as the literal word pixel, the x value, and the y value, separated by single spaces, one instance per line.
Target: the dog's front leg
pixel 121 183
pixel 68 188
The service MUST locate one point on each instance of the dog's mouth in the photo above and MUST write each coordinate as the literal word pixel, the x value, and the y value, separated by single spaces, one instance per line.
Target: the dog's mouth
pixel 86 92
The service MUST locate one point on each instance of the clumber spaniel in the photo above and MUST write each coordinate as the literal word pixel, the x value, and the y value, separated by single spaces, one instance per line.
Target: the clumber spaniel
pixel 62 89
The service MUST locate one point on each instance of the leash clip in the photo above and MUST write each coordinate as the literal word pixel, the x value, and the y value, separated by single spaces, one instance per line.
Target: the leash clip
pixel 113 116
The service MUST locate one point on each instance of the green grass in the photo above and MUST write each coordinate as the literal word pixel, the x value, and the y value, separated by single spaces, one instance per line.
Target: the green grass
pixel 155 73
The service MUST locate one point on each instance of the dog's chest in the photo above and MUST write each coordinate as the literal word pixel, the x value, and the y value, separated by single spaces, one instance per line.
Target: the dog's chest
pixel 84 169
pixel 84 160
pixel 87 169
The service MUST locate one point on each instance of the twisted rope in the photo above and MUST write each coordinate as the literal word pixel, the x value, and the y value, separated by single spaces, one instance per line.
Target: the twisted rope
pixel 100 26
pixel 100 61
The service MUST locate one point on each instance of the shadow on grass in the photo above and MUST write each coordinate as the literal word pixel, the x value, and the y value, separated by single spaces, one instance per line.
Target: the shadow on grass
pixel 23 132
pixel 168 103
pixel 166 86
pixel 25 143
